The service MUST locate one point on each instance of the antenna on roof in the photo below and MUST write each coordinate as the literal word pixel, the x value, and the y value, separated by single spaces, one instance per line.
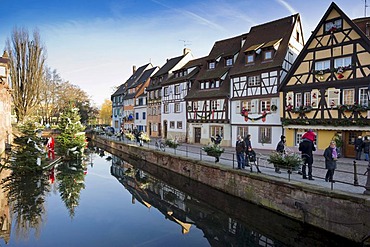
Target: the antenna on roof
pixel 186 42
pixel 365 7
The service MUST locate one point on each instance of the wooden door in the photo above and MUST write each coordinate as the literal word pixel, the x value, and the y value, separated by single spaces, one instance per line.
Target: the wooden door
pixel 159 129
pixel 349 143
pixel 197 135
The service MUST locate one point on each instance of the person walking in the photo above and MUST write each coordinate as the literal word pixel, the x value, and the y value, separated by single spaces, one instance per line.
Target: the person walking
pixel 358 147
pixel 248 148
pixel 280 148
pixel 307 147
pixel 331 156
pixel 240 150
pixel 366 147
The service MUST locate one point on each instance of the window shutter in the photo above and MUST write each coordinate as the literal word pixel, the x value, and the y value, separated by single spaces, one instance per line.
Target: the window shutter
pixel 254 106
pixel 274 101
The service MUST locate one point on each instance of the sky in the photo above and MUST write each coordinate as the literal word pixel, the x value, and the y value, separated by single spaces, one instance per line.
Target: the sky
pixel 94 44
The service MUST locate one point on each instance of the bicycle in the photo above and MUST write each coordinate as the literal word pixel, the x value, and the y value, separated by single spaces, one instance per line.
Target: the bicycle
pixel 160 145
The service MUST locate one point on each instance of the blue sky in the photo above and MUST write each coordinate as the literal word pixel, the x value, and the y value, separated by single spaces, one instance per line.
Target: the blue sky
pixel 94 44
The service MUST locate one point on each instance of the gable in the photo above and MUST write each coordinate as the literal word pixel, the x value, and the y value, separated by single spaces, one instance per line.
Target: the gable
pixel 336 51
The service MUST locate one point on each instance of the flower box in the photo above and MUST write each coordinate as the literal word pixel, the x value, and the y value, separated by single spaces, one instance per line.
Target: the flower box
pixel 286 161
pixel 213 150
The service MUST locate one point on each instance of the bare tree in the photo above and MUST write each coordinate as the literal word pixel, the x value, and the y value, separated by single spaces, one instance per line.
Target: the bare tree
pixel 27 58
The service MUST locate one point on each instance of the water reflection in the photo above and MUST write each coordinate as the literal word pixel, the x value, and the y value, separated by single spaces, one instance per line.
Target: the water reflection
pixel 24 191
pixel 224 220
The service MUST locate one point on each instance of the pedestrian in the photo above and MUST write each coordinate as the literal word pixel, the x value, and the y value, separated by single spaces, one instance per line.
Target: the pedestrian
pixel 216 141
pixel 366 147
pixel 358 147
pixel 248 148
pixel 307 147
pixel 280 148
pixel 240 150
pixel 331 156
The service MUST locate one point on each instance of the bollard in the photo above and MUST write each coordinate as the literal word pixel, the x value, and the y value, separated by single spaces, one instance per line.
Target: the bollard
pixel 367 186
pixel 355 179
pixel 186 150
pixel 200 154
pixel 233 161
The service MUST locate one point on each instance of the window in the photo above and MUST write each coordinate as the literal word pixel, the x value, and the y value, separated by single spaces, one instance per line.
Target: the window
pixel 333 97
pixel 172 124
pixel 297 37
pixel 265 105
pixel 267 55
pixel 364 96
pixel 322 65
pixel 242 131
pixel 342 62
pixel 229 61
pixel 211 65
pixel 177 89
pixel 307 98
pixel 136 115
pixel 298 136
pixel 154 111
pixel 246 104
pixel 254 81
pixel 179 124
pixel 177 107
pixel 165 89
pixel 334 25
pixel 298 99
pixel 348 96
pixel 214 130
pixel 166 108
pixel 144 115
pixel 264 135
pixel 250 58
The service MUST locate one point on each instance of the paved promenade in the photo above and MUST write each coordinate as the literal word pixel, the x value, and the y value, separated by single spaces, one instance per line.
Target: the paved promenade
pixel 343 176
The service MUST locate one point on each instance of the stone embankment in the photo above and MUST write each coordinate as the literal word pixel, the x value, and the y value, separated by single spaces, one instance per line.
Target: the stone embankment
pixel 339 212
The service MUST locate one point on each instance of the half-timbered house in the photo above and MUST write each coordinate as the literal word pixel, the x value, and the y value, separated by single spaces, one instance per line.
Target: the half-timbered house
pixel 123 100
pixel 174 91
pixel 327 89
pixel 155 93
pixel 268 52
pixel 207 102
pixel 140 107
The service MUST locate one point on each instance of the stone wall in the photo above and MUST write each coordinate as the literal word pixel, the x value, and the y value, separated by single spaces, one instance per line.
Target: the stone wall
pixel 338 212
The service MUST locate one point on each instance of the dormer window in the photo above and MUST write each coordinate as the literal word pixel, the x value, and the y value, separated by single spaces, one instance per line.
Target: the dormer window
pixel 333 25
pixel 267 55
pixel 250 58
pixel 211 65
pixel 229 61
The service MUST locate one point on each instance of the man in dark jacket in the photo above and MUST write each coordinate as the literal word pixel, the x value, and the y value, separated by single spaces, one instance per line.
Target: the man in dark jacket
pixel 240 149
pixel 358 147
pixel 307 147
pixel 280 148
pixel 248 148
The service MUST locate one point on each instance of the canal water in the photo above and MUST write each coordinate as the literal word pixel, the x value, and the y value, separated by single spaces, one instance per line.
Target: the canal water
pixel 112 200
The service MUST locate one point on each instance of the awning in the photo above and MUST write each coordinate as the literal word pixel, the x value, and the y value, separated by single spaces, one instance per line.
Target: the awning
pixel 328 127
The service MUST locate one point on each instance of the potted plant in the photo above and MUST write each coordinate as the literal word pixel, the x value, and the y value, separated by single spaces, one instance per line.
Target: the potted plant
pixel 144 137
pixel 172 143
pixel 213 150
pixel 286 161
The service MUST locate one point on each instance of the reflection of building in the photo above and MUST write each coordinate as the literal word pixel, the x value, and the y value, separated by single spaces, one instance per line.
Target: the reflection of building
pixel 5 104
pixel 5 221
pixel 218 228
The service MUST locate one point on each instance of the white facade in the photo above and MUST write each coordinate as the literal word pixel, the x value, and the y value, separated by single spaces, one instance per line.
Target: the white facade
pixel 140 114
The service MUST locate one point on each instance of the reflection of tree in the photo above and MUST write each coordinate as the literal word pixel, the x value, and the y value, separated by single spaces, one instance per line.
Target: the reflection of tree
pixel 27 192
pixel 71 181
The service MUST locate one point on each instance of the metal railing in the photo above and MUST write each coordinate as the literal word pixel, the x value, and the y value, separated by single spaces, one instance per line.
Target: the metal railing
pixel 352 175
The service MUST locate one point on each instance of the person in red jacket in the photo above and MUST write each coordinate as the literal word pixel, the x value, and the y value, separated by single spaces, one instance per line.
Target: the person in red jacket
pixel 50 145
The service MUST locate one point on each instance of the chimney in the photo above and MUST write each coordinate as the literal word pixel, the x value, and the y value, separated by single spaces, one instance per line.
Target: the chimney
pixel 186 51
pixel 133 69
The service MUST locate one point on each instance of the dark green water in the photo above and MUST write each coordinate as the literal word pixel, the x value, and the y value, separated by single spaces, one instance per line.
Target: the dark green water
pixel 112 202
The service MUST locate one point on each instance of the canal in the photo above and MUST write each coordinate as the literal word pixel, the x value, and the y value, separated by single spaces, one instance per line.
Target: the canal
pixel 111 201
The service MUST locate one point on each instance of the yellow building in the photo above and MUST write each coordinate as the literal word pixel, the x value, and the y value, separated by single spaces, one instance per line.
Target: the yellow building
pixel 327 89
